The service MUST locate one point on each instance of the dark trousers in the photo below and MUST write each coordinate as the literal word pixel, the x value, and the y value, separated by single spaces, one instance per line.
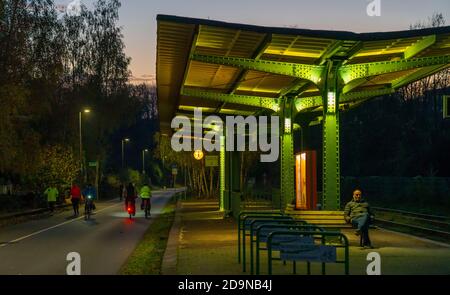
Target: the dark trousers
pixel 76 206
pixel 362 223
pixel 51 205
pixel 144 203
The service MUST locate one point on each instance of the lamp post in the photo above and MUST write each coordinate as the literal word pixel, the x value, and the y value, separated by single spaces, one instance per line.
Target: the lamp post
pixel 143 160
pixel 124 140
pixel 80 116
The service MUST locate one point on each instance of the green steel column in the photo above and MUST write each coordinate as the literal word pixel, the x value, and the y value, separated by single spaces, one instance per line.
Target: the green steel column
pixel 331 153
pixel 236 171
pixel 227 192
pixel 222 174
pixel 287 181
pixel 235 184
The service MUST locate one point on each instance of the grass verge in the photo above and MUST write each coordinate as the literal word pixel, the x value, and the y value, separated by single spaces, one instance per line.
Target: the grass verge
pixel 146 258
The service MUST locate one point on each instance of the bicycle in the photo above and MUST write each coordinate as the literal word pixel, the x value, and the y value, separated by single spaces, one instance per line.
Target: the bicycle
pixel 88 207
pixel 147 207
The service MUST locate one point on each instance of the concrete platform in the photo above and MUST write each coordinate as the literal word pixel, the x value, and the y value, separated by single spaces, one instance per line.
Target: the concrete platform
pixel 207 244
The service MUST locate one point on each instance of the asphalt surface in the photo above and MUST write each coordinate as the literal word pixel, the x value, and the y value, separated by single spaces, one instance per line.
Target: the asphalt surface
pixel 40 247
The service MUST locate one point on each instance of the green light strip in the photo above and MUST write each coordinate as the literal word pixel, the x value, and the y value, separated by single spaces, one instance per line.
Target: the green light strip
pixel 262 102
pixel 312 73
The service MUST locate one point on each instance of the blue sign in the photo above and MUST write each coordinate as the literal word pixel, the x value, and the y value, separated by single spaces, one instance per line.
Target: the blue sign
pixel 312 253
pixel 290 243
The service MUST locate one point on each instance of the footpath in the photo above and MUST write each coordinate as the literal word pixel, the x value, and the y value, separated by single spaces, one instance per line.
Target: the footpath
pixel 202 242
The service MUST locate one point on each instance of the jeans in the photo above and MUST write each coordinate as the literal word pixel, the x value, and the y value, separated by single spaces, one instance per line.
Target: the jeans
pixel 76 205
pixel 362 223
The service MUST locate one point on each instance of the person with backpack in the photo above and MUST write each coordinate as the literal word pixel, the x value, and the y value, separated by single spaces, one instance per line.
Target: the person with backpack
pixel 145 194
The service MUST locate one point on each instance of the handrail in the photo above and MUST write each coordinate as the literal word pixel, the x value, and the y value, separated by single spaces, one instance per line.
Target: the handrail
pixel 280 226
pixel 275 213
pixel 243 230
pixel 311 233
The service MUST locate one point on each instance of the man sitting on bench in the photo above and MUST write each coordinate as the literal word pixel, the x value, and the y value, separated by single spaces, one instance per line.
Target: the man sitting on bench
pixel 357 212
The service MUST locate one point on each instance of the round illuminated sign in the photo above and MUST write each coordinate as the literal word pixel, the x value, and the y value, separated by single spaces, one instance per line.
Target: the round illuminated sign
pixel 198 155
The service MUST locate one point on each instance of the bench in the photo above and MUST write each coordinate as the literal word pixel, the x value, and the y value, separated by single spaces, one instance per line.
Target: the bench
pixel 244 232
pixel 263 231
pixel 259 222
pixel 243 214
pixel 304 248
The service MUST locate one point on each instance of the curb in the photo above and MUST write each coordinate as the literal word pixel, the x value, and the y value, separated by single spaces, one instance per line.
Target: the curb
pixel 30 212
pixel 170 258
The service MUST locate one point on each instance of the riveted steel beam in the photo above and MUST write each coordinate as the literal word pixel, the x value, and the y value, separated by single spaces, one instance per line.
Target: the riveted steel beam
pixel 331 154
pixel 419 74
pixel 331 178
pixel 295 88
pixel 362 95
pixel 262 102
pixel 287 180
pixel 354 84
pixel 191 52
pixel 331 50
pixel 312 73
pixel 419 46
pixel 304 103
pixel 258 53
pixel 355 71
pixel 222 174
pixel 357 47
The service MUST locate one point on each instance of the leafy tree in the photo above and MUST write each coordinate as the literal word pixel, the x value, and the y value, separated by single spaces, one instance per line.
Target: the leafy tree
pixel 51 69
pixel 57 165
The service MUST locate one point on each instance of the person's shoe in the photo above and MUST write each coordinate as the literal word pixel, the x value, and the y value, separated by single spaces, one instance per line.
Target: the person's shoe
pixel 368 247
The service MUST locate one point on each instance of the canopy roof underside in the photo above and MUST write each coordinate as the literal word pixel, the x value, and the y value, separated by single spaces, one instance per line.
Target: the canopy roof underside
pixel 180 40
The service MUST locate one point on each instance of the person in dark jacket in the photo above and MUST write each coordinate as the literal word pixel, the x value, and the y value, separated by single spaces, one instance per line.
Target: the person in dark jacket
pixel 357 212
pixel 75 194
pixel 131 196
pixel 91 193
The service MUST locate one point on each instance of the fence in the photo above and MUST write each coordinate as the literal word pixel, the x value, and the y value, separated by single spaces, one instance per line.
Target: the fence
pixel 420 194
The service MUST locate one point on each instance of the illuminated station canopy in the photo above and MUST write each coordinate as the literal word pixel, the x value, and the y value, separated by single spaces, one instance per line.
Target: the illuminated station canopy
pixel 231 69
pixel 301 75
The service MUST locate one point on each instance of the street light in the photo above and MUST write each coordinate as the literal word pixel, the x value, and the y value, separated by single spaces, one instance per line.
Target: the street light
pixel 124 140
pixel 86 111
pixel 143 160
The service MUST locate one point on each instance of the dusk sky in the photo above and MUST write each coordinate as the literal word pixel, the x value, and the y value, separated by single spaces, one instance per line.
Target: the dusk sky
pixel 138 18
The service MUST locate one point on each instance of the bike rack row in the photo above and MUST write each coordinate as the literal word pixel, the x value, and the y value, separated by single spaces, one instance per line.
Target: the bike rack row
pixel 295 240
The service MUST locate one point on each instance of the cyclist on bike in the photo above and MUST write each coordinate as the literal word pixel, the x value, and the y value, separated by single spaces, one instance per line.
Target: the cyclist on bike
pixel 131 197
pixel 145 194
pixel 89 195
